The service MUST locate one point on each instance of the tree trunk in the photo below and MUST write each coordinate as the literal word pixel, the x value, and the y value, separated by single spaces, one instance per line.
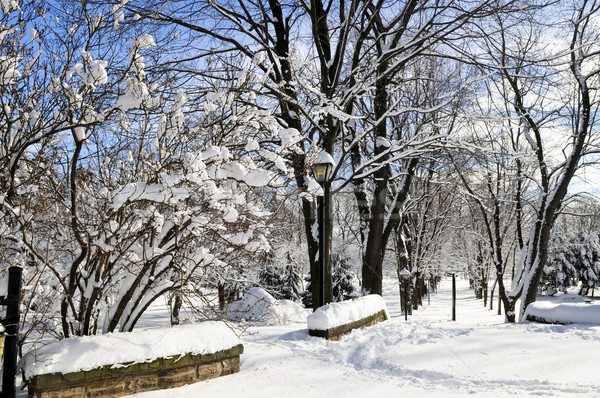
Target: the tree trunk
pixel 177 302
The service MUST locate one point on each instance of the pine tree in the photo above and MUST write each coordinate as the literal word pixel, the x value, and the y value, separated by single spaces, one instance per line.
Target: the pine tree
pixel 292 282
pixel 343 287
pixel 573 260
pixel 589 264
pixel 271 280
pixel 307 293
pixel 561 270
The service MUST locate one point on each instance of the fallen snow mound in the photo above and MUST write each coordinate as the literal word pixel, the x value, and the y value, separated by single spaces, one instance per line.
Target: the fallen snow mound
pixel 259 306
pixel 90 352
pixel 565 309
pixel 345 312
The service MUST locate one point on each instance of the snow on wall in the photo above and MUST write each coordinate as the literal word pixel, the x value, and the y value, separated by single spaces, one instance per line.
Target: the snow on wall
pixel 565 312
pixel 342 313
pixel 91 352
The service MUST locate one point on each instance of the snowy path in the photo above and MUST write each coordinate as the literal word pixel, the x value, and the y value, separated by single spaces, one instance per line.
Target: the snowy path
pixel 428 356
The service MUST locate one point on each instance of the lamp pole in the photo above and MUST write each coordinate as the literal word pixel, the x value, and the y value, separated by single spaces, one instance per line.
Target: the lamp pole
pixel 453 296
pixel 11 331
pixel 320 205
pixel 405 275
pixel 322 170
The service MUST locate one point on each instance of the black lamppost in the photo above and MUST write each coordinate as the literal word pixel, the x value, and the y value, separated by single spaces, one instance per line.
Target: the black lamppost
pixel 11 331
pixel 322 169
pixel 405 275
pixel 453 295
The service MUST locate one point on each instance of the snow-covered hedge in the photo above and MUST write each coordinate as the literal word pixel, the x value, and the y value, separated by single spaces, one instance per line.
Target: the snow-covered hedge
pixel 336 319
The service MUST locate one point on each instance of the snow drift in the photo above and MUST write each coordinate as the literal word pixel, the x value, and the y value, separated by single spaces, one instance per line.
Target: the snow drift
pixel 258 306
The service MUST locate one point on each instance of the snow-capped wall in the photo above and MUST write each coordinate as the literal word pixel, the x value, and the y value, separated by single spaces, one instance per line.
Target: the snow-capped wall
pixel 568 310
pixel 128 363
pixel 91 352
pixel 346 312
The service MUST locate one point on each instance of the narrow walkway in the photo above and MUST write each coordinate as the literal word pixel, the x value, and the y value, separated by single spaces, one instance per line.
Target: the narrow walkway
pixel 469 309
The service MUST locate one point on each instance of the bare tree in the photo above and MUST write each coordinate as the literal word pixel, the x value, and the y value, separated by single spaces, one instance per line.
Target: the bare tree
pixel 552 97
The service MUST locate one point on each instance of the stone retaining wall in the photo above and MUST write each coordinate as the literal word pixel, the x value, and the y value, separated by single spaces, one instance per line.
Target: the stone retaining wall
pixel 336 332
pixel 126 379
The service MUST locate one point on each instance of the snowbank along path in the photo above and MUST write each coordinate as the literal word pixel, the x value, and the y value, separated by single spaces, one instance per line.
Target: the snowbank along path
pixel 428 356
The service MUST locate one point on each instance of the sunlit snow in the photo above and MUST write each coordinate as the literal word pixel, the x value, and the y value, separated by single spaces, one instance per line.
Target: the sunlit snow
pixel 428 356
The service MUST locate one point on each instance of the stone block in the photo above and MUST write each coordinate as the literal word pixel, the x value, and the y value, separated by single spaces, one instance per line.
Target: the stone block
pixel 103 388
pixel 231 362
pixel 229 371
pixel 210 370
pixel 177 377
pixel 142 383
pixel 69 392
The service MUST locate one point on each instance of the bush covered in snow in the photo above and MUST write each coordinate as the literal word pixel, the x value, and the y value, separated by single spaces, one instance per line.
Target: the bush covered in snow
pixel 259 306
pixel 574 261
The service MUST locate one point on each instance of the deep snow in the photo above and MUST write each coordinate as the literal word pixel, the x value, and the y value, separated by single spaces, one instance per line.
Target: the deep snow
pixel 428 356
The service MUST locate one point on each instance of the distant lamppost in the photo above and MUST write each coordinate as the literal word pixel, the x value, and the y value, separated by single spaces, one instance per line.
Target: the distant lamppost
pixel 453 295
pixel 429 289
pixel 405 275
pixel 322 169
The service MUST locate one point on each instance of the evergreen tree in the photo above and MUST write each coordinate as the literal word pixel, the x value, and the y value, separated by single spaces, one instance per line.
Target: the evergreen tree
pixel 271 280
pixel 573 260
pixel 307 293
pixel 343 287
pixel 292 281
pixel 589 262
pixel 560 272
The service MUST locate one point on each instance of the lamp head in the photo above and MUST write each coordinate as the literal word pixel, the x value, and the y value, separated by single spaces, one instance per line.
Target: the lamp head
pixel 323 167
pixel 404 274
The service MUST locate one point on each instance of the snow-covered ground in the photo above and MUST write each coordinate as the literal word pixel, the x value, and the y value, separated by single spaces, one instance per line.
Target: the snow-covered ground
pixel 428 356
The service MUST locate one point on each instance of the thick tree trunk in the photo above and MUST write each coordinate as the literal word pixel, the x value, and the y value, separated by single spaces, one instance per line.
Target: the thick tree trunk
pixel 372 269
